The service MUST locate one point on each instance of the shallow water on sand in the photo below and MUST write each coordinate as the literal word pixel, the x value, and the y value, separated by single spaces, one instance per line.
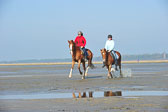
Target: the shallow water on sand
pixel 24 71
pixel 13 72
pixel 91 94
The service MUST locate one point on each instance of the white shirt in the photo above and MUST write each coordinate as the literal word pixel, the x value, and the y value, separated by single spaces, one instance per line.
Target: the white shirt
pixel 109 45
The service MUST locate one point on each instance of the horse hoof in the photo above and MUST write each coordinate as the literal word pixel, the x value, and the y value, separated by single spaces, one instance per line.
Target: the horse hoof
pixel 121 75
pixel 70 76
pixel 108 77
pixel 83 77
pixel 113 70
pixel 81 73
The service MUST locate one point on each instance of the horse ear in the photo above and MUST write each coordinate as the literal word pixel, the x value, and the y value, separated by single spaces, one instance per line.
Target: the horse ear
pixel 100 49
pixel 68 41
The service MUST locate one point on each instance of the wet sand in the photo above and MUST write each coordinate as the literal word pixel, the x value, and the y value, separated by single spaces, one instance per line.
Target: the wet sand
pixel 42 79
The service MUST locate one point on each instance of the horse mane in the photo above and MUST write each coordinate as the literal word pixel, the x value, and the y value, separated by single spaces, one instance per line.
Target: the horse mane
pixel 75 47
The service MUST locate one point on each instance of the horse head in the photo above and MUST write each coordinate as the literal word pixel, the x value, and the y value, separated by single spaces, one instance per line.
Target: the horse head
pixel 103 53
pixel 71 46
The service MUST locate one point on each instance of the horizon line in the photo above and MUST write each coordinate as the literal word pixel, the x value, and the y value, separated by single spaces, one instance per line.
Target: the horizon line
pixel 95 62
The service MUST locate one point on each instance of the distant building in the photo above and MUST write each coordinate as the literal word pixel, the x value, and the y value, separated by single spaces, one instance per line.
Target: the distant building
pixel 164 55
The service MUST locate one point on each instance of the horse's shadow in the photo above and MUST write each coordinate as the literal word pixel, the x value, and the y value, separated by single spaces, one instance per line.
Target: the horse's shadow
pixel 93 77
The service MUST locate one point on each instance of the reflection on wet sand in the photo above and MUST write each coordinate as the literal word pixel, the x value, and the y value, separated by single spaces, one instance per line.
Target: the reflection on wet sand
pixel 110 93
pixel 83 95
pixel 96 94
pixel 90 94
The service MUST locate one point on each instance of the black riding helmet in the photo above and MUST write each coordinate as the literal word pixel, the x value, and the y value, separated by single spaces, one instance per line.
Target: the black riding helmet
pixel 109 36
pixel 80 33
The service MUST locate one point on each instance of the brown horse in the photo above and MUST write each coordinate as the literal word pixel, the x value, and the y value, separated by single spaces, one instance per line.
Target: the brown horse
pixel 109 60
pixel 77 56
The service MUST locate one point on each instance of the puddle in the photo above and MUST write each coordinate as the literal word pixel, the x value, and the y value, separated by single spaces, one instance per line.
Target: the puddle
pixel 125 94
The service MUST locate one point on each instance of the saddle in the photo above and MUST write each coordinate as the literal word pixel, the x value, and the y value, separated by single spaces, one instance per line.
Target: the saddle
pixel 84 52
pixel 114 55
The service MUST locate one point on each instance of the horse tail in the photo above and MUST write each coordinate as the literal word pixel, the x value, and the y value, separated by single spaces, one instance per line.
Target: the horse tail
pixel 91 65
pixel 119 55
pixel 90 57
pixel 119 59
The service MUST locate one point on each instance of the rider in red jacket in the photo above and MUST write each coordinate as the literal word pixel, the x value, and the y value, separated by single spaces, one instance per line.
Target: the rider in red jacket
pixel 81 42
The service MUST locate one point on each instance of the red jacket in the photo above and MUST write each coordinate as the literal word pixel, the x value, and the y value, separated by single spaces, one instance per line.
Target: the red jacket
pixel 80 41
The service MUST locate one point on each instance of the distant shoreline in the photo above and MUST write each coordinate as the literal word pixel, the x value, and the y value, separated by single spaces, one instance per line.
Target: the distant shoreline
pixel 96 62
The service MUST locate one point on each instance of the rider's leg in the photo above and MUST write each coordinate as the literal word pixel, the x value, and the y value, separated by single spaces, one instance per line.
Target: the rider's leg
pixel 85 53
pixel 115 56
pixel 81 50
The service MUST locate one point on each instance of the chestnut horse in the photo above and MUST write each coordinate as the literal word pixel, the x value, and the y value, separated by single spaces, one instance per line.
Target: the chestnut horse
pixel 77 56
pixel 111 61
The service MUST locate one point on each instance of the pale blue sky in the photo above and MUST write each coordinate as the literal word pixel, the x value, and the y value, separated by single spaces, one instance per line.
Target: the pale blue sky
pixel 39 29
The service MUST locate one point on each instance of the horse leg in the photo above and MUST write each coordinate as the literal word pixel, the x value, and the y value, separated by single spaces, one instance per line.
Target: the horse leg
pixel 109 72
pixel 116 65
pixel 89 63
pixel 84 68
pixel 90 56
pixel 79 62
pixel 70 74
pixel 86 73
pixel 113 71
pixel 121 75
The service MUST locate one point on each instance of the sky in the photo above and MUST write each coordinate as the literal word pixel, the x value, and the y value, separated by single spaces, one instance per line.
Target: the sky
pixel 40 29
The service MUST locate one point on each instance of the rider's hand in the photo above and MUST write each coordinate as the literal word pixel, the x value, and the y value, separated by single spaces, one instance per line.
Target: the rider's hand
pixel 81 46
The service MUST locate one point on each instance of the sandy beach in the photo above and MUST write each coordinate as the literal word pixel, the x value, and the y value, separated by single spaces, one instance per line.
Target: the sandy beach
pixel 31 80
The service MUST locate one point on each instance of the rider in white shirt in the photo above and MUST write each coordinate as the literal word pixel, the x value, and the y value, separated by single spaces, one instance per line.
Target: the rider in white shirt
pixel 109 46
